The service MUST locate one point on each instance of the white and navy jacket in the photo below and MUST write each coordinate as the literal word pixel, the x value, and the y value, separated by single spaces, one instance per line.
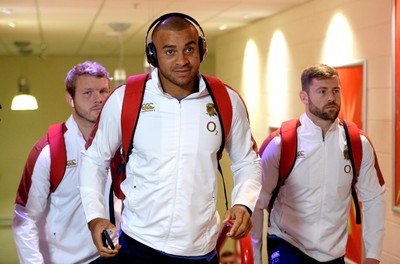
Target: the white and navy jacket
pixel 171 187
pixel 50 227
pixel 312 207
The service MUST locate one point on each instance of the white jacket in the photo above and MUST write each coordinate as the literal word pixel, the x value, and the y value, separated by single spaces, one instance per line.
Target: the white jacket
pixel 312 207
pixel 172 178
pixel 51 227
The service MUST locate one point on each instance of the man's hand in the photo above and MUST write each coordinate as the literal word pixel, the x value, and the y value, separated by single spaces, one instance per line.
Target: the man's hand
pixel 242 222
pixel 97 226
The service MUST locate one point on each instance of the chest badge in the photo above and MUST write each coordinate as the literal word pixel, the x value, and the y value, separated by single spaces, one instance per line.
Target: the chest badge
pixel 346 154
pixel 210 108
pixel 71 163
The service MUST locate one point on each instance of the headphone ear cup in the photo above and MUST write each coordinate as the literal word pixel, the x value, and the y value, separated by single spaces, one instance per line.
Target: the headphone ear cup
pixel 202 48
pixel 201 51
pixel 151 54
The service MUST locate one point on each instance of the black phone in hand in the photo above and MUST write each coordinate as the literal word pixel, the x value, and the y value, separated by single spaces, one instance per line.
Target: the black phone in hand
pixel 107 240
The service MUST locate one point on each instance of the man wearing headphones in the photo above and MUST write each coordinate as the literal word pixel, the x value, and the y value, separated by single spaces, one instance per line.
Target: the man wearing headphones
pixel 171 183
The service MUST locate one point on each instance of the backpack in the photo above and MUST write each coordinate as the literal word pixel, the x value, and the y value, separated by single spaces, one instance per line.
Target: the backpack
pixel 58 157
pixel 288 133
pixel 133 97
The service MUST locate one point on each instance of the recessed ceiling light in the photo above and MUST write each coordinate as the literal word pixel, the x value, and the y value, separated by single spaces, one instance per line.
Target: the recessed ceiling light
pixel 7 11
pixel 119 27
pixel 12 24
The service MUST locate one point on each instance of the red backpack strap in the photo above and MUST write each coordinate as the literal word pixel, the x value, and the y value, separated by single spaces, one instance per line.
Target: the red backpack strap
pixel 92 134
pixel 288 134
pixel 131 105
pixel 222 101
pixel 223 105
pixel 133 97
pixel 377 168
pixel 354 144
pixel 355 151
pixel 58 154
pixel 266 141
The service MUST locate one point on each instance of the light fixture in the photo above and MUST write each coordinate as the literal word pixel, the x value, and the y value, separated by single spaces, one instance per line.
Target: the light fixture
pixel 222 27
pixel 24 101
pixel 119 75
pixel 119 72
pixel 6 11
pixel 12 24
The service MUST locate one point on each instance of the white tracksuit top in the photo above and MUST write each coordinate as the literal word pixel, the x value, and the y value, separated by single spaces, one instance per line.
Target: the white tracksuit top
pixel 51 227
pixel 172 178
pixel 312 207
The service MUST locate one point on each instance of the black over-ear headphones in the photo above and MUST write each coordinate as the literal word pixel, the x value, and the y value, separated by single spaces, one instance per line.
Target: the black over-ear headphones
pixel 151 53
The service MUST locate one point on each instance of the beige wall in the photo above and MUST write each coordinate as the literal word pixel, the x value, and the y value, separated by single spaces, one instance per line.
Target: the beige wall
pixel 305 32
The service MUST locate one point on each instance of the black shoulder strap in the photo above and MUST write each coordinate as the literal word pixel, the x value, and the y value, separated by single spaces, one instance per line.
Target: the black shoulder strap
pixel 355 154
pixel 222 101
pixel 223 106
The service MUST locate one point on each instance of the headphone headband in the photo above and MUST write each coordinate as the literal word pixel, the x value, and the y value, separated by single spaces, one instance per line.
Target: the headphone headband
pixel 168 15
pixel 150 48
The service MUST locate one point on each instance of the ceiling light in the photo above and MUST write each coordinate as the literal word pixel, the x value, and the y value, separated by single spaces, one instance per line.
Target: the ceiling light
pixel 24 101
pixel 22 44
pixel 119 27
pixel 119 73
pixel 223 27
pixel 7 11
pixel 12 24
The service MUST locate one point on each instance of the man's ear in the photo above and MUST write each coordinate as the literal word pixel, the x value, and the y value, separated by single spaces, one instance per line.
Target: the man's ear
pixel 303 97
pixel 69 99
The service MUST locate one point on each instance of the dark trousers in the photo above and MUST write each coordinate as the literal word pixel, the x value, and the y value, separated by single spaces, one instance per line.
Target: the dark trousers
pixel 135 252
pixel 282 252
pixel 100 260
